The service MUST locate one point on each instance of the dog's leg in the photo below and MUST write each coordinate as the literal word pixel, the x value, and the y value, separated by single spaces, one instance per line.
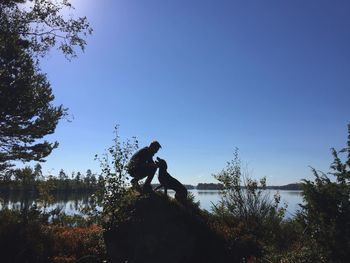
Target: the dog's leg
pixel 166 191
pixel 158 187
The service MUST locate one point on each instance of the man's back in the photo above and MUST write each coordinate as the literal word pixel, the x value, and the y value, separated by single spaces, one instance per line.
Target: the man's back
pixel 141 157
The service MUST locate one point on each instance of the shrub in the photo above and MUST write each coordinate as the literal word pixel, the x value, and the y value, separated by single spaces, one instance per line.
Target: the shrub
pixel 247 213
pixel 326 209
pixel 72 244
pixel 114 170
pixel 27 237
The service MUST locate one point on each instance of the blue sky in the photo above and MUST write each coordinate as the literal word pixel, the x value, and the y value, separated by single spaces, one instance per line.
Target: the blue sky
pixel 203 77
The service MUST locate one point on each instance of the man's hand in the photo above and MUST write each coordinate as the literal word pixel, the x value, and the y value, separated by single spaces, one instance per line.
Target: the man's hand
pixel 153 165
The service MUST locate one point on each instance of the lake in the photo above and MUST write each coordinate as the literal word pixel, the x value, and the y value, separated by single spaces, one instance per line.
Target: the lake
pixel 71 203
pixel 292 198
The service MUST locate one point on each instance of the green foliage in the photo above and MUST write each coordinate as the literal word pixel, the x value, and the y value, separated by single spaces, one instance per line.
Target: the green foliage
pixel 38 172
pixel 326 211
pixel 246 211
pixel 30 238
pixel 41 25
pixel 301 254
pixel 244 198
pixel 21 238
pixel 45 189
pixel 25 175
pixel 114 171
pixel 26 179
pixel 26 110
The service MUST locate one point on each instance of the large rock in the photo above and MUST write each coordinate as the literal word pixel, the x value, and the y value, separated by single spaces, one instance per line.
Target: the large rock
pixel 155 228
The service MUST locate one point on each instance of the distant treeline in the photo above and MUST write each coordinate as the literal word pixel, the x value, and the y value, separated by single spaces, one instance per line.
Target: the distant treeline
pixel 32 180
pixel 286 187
pixel 209 186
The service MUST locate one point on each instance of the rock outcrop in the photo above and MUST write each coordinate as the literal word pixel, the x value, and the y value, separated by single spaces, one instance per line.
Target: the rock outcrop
pixel 154 228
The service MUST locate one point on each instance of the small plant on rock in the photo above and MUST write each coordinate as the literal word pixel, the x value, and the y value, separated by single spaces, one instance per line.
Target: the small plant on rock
pixel 114 170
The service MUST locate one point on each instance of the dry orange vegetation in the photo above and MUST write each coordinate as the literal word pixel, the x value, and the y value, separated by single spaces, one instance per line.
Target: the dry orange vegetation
pixel 73 243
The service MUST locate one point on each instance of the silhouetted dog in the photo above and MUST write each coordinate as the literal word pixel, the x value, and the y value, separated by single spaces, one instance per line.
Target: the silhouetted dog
pixel 169 182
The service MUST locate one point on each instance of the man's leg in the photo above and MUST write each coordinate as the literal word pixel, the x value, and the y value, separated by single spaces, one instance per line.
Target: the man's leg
pixel 150 174
pixel 134 181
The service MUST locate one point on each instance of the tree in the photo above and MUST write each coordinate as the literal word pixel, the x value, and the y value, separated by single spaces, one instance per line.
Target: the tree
pixel 78 177
pixel 38 171
pixel 87 179
pixel 72 176
pixel 41 25
pixel 326 209
pixel 27 114
pixel 25 176
pixel 62 175
pixel 93 180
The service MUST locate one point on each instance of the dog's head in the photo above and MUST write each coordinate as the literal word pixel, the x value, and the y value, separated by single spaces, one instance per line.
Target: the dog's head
pixel 161 163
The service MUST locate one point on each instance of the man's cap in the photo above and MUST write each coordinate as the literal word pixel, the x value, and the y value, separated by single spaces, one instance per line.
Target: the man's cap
pixel 155 143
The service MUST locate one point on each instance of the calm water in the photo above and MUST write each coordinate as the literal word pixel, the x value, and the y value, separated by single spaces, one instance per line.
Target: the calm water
pixel 71 204
pixel 292 198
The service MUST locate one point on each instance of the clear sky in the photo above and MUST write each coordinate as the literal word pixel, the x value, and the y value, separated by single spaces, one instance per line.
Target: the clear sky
pixel 202 77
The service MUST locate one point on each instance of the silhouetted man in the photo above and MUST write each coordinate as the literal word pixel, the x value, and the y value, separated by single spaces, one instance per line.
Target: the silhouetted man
pixel 141 165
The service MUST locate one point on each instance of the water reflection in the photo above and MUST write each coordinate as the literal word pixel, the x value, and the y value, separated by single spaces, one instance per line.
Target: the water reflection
pixel 73 203
pixel 68 203
pixel 292 199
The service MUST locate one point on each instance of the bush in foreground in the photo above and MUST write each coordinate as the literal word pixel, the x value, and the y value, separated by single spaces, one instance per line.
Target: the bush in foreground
pixel 28 237
pixel 326 213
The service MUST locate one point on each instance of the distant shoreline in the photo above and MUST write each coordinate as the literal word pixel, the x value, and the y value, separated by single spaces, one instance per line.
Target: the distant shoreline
pixel 213 186
pixel 70 186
